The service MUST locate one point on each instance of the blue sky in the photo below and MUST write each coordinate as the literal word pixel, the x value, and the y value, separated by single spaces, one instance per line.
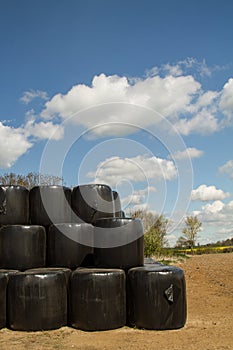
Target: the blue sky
pixel 136 94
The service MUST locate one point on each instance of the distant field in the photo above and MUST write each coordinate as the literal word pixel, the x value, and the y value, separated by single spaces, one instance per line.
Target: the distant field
pixel 206 250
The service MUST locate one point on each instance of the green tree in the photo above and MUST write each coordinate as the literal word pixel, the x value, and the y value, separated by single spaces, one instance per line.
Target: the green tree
pixel 193 226
pixel 30 180
pixel 155 228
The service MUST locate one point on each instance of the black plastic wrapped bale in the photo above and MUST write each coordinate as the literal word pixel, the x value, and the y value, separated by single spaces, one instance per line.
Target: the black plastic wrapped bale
pixel 69 244
pixel 67 272
pixel 50 205
pixel 91 202
pixel 14 205
pixel 22 247
pixel 37 300
pixel 119 243
pixel 4 274
pixel 156 297
pixel 97 299
pixel 3 288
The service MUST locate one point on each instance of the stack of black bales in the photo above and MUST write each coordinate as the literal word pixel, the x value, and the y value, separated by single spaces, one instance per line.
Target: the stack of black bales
pixel 70 257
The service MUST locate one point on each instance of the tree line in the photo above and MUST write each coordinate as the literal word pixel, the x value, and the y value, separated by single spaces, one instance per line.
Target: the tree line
pixel 29 180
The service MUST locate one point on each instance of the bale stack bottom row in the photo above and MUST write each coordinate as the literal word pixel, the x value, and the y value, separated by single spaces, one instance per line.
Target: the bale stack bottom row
pixel 80 263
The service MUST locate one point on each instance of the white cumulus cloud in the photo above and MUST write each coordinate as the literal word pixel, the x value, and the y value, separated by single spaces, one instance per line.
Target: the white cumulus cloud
pixel 138 197
pixel 29 96
pixel 204 123
pixel 226 101
pixel 171 96
pixel 13 144
pixel 135 169
pixel 190 152
pixel 217 214
pixel 227 168
pixel 167 91
pixel 213 208
pixel 44 130
pixel 121 106
pixel 208 193
pixel 207 98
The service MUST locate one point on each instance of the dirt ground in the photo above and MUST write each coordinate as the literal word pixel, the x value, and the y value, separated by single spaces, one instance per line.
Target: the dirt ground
pixel 209 324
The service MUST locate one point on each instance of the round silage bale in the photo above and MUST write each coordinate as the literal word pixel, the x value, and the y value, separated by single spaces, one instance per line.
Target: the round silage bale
pixel 22 247
pixel 69 244
pixel 97 299
pixel 14 205
pixel 91 202
pixel 50 205
pixel 118 243
pixel 156 297
pixel 37 300
pixel 4 275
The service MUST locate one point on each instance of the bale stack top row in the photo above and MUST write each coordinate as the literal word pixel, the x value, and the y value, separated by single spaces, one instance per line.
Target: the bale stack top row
pixel 45 205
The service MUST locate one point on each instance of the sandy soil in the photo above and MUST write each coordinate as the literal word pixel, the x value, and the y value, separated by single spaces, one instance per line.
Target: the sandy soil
pixel 209 325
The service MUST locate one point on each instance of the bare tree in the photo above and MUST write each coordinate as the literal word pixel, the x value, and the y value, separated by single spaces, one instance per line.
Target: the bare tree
pixel 30 180
pixel 193 226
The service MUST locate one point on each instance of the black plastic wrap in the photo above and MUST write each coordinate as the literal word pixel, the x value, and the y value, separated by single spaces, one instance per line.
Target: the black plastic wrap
pixel 64 244
pixel 2 201
pixel 4 274
pixel 119 243
pixel 8 272
pixel 156 297
pixel 22 247
pixel 14 205
pixel 97 299
pixel 119 213
pixel 37 300
pixel 3 288
pixel 50 205
pixel 122 214
pixel 67 272
pixel 91 202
